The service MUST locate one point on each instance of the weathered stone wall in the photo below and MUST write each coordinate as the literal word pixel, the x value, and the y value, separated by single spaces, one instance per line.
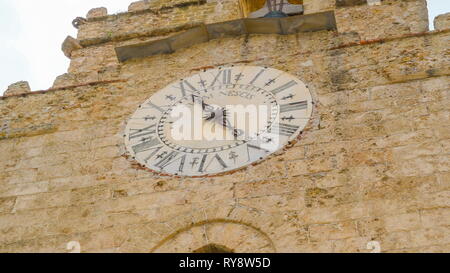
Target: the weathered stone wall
pixel 157 17
pixel 146 21
pixel 393 17
pixel 156 20
pixel 372 166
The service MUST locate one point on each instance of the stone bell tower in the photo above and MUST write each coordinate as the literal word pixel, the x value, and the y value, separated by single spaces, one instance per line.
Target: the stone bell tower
pixel 370 171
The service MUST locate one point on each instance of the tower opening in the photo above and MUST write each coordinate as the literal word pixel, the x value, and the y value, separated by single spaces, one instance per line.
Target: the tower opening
pixel 213 248
pixel 271 8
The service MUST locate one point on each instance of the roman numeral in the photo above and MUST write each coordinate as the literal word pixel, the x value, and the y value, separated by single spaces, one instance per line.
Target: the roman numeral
pixel 204 166
pixel 284 87
pixel 284 129
pixel 294 106
pixel 154 106
pixel 224 75
pixel 146 146
pixel 220 160
pixel 255 152
pixel 144 132
pixel 156 150
pixel 183 161
pixel 249 146
pixel 169 159
pixel 257 76
pixel 185 87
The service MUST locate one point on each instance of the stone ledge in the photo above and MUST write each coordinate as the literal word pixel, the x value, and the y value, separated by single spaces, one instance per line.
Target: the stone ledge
pixel 60 88
pixel 204 33
pixel 132 35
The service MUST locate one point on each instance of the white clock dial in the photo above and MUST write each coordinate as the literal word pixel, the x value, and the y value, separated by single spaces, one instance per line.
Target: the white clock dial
pixel 218 121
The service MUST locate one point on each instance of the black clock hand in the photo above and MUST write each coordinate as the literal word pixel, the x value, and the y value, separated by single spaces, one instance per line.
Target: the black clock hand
pixel 236 132
pixel 227 124
pixel 205 107
pixel 213 113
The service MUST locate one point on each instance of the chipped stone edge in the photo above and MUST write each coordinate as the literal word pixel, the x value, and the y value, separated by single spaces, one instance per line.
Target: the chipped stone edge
pixel 63 88
pixel 163 8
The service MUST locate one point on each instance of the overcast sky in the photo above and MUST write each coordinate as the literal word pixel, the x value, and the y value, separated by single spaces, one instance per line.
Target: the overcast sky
pixel 32 33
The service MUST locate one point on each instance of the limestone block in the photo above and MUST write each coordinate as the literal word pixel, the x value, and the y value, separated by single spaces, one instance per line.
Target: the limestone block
pixel 402 222
pixel 397 17
pixel 431 236
pixel 69 45
pixel 374 2
pixel 71 79
pixel 64 80
pixel 97 12
pixel 314 6
pixel 348 3
pixel 442 21
pixel 7 204
pixel 336 231
pixel 139 5
pixel 267 170
pixel 436 217
pixel 23 189
pixel 109 73
pixel 18 88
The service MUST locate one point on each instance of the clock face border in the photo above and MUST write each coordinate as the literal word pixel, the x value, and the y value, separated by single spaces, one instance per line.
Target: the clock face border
pixel 258 73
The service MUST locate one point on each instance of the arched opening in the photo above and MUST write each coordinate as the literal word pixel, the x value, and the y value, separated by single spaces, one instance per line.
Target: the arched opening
pixel 219 233
pixel 213 248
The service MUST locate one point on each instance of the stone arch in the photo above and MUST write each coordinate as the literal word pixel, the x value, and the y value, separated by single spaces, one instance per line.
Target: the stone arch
pixel 227 235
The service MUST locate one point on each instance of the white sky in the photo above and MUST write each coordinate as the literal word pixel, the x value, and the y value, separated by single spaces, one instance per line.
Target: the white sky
pixel 32 33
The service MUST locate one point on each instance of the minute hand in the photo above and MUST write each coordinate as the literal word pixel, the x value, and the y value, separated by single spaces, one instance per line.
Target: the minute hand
pixel 227 124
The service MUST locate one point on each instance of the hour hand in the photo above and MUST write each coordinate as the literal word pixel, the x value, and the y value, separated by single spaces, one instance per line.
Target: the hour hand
pixel 209 116
pixel 199 100
pixel 236 132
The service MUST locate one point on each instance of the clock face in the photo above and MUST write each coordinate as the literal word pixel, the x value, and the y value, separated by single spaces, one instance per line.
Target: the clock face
pixel 219 120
